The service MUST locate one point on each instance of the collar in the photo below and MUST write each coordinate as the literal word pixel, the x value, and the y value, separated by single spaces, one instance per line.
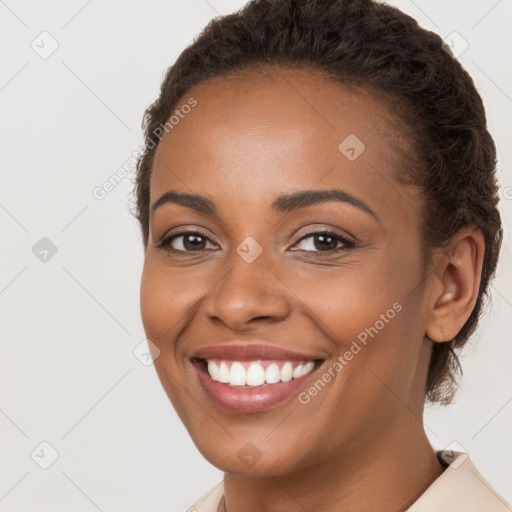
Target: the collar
pixel 460 488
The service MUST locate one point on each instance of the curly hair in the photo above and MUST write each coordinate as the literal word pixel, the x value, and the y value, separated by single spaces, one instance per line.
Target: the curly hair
pixel 373 45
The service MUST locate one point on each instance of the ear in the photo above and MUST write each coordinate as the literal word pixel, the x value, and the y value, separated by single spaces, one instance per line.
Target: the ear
pixel 454 285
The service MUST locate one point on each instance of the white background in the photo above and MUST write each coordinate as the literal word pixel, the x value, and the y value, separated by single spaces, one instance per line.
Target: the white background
pixel 69 326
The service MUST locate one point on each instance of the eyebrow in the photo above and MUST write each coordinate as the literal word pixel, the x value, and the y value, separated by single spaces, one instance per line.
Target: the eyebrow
pixel 283 204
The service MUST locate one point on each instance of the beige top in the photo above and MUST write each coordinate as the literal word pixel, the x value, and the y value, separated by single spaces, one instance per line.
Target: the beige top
pixel 460 488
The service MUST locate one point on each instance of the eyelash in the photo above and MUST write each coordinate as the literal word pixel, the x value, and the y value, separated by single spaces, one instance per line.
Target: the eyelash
pixel 348 244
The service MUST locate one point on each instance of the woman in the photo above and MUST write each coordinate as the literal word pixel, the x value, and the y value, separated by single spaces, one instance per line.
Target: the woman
pixel 318 204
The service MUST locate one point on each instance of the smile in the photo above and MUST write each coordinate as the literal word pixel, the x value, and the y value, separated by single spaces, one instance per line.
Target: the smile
pixel 257 373
pixel 244 392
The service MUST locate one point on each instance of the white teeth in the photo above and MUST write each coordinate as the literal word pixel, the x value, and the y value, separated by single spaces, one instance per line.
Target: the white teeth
pixel 223 373
pixel 287 372
pixel 256 375
pixel 237 375
pixel 307 367
pixel 272 374
pixel 213 370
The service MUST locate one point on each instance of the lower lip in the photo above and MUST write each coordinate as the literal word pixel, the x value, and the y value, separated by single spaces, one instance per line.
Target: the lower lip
pixel 249 399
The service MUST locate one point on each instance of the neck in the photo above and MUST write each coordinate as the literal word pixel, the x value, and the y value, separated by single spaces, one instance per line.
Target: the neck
pixel 388 477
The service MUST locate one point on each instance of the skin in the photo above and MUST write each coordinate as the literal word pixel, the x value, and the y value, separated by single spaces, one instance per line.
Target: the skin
pixel 360 443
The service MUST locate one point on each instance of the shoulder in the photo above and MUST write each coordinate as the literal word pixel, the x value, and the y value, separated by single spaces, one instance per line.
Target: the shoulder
pixel 461 488
pixel 209 502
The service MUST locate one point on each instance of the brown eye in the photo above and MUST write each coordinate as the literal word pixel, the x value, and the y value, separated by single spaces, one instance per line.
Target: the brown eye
pixel 187 241
pixel 323 241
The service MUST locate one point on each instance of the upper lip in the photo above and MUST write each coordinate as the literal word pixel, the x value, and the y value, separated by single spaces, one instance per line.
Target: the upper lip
pixel 250 353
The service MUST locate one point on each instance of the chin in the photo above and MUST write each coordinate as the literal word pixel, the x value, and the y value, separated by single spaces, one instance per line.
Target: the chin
pixel 243 457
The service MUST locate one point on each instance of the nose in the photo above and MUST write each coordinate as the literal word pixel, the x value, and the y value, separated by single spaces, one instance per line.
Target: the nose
pixel 248 293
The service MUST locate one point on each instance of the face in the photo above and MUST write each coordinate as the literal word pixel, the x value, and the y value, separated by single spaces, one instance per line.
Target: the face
pixel 289 320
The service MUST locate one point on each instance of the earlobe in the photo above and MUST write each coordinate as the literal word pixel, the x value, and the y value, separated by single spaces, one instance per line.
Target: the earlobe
pixel 457 282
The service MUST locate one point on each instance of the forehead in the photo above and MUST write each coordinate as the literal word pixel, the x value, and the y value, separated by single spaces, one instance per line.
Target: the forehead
pixel 277 129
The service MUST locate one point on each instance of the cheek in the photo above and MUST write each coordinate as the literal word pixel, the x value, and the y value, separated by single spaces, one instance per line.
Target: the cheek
pixel 154 308
pixel 163 305
pixel 164 300
pixel 371 313
pixel 351 299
